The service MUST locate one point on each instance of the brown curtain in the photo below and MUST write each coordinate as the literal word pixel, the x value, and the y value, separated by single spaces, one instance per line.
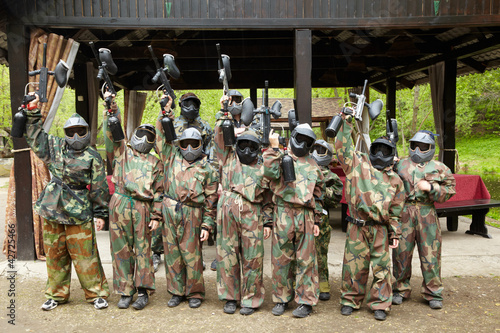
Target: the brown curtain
pixel 57 48
pixel 436 78
pixel 135 102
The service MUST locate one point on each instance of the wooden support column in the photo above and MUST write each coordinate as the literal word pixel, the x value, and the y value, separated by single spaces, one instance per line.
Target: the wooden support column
pixel 18 45
pixel 302 74
pixel 81 91
pixel 450 113
pixel 253 96
pixel 390 97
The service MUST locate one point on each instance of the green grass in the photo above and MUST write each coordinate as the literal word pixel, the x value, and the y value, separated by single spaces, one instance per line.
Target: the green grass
pixel 479 155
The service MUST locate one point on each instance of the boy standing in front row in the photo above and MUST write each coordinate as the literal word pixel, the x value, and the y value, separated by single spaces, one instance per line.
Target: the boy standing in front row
pixel 375 196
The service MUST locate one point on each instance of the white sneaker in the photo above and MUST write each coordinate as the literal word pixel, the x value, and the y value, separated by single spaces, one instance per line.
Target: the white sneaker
pixel 100 303
pixel 50 304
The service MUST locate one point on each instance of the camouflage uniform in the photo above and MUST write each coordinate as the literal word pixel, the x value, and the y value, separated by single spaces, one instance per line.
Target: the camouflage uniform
pixel 180 124
pixel 189 203
pixel 420 225
pixel 68 208
pixel 371 195
pixel 332 196
pixel 240 227
pixel 138 180
pixel 298 206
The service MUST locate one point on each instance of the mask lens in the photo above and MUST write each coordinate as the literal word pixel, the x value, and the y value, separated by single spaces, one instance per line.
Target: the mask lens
pixel 190 103
pixel 422 146
pixel 320 150
pixel 150 136
pixel 195 144
pixel 380 147
pixel 81 131
pixel 236 99
pixel 243 144
pixel 304 138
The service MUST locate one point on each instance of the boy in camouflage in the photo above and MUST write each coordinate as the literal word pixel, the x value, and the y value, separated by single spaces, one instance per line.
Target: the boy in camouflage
pixel 77 193
pixel 375 196
pixel 240 221
pixel 297 216
pixel 322 153
pixel 425 181
pixel 189 209
pixel 135 210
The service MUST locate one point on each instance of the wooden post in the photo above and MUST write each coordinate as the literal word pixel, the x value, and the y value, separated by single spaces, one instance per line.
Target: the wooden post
pixel 302 74
pixel 81 91
pixel 450 114
pixel 253 96
pixel 390 97
pixel 18 44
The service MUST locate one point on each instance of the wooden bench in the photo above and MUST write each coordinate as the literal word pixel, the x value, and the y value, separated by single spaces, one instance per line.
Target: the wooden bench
pixel 472 198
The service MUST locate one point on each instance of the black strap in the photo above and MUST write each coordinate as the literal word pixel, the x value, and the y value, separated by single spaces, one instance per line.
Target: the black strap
pixel 68 188
pixel 359 222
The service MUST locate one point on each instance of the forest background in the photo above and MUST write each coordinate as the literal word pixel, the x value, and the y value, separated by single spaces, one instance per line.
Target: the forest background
pixel 477 122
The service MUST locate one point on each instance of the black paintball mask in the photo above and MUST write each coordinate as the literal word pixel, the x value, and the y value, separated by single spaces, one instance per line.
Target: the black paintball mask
pixel 382 152
pixel 302 140
pixel 190 106
pixel 248 147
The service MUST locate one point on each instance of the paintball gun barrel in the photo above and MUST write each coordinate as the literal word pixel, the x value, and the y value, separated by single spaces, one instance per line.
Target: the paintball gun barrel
pixel 224 72
pixel 169 68
pixel 264 114
pixel 105 66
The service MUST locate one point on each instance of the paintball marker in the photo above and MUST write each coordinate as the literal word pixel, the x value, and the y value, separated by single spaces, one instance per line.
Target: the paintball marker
pixel 224 69
pixel 263 123
pixel 170 69
pixel 60 75
pixel 105 64
pixel 373 108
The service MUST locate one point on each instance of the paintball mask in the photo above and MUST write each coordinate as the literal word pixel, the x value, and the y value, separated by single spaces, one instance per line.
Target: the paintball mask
pixel 76 132
pixel 422 146
pixel 382 152
pixel 236 105
pixel 190 106
pixel 143 138
pixel 302 140
pixel 322 152
pixel 248 147
pixel 190 144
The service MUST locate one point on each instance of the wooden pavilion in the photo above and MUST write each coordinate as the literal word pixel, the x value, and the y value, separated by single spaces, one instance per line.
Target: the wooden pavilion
pixel 293 44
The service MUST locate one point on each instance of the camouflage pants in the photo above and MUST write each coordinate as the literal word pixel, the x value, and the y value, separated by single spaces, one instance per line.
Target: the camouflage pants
pixel 322 242
pixel 240 251
pixel 420 225
pixel 64 244
pixel 364 246
pixel 130 239
pixel 157 241
pixel 293 241
pixel 181 241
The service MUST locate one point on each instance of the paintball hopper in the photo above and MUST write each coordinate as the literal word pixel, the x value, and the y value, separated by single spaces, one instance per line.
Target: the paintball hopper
pixel 392 130
pixel 226 68
pixel 292 120
pixel 107 62
pixel 375 108
pixel 275 110
pixel 170 66
pixel 247 111
pixel 61 73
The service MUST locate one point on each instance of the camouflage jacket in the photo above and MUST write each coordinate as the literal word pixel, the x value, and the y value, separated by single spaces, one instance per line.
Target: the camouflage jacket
pixel 333 187
pixel 181 123
pixel 193 184
pixel 308 188
pixel 136 175
pixel 246 180
pixel 435 172
pixel 58 202
pixel 371 194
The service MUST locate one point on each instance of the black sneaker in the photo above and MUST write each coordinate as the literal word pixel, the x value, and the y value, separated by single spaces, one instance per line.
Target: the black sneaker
pixel 324 296
pixel 397 298
pixel 435 304
pixel 346 310
pixel 141 301
pixel 279 309
pixel 230 307
pixel 247 311
pixel 380 314
pixel 124 302
pixel 175 300
pixel 302 311
pixel 156 261
pixel 213 265
pixel 194 303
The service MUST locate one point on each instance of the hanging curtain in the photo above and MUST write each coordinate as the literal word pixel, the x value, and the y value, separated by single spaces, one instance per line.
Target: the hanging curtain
pixel 135 102
pixel 436 78
pixel 57 48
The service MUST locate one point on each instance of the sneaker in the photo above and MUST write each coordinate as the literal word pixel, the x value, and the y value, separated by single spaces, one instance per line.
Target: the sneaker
pixel 50 304
pixel 230 307
pixel 175 300
pixel 380 314
pixel 100 303
pixel 324 296
pixel 156 261
pixel 434 304
pixel 346 310
pixel 397 298
pixel 124 302
pixel 213 265
pixel 194 303
pixel 204 266
pixel 279 309
pixel 302 311
pixel 246 311
pixel 141 301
